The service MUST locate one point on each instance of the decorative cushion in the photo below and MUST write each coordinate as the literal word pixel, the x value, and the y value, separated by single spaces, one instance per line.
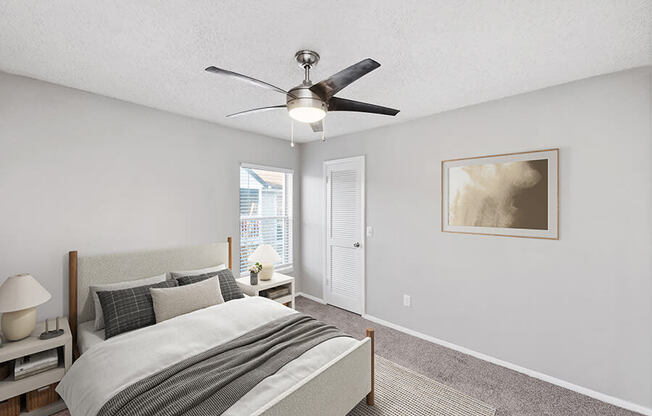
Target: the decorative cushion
pixel 197 272
pixel 174 301
pixel 228 286
pixel 99 315
pixel 129 309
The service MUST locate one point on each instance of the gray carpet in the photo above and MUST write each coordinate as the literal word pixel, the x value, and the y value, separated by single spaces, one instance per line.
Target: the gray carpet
pixel 511 393
pixel 400 391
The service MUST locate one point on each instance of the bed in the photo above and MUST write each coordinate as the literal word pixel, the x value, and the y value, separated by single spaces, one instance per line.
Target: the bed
pixel 329 378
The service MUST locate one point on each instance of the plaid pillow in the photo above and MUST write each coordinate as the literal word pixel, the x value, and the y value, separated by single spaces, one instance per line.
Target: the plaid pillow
pixel 228 286
pixel 128 309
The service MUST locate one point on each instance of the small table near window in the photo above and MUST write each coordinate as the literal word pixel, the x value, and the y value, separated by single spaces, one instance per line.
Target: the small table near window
pixel 274 289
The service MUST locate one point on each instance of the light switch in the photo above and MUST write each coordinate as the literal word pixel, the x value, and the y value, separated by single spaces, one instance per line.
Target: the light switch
pixel 370 231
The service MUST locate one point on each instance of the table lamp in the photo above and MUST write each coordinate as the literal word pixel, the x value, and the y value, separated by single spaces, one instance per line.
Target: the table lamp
pixel 19 297
pixel 267 256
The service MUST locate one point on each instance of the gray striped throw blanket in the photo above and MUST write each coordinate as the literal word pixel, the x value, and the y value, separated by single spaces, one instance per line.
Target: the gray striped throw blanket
pixel 211 382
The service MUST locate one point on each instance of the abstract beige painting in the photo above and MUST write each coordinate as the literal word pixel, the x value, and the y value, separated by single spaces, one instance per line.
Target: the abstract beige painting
pixel 512 194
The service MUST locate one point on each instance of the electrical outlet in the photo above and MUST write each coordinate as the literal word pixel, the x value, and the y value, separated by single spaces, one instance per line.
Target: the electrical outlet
pixel 406 300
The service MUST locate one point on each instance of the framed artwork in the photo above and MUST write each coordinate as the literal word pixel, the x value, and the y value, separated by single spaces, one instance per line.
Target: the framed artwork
pixel 513 194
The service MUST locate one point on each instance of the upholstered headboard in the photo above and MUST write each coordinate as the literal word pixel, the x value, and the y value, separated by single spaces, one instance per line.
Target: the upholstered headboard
pixel 99 269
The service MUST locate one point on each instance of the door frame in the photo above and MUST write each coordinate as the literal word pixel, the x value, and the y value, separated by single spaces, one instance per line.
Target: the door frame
pixel 363 227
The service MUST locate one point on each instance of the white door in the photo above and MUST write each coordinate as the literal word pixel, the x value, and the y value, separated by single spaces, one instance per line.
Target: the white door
pixel 345 248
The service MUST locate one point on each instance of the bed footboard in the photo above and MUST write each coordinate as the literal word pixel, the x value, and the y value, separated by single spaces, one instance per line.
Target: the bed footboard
pixel 333 390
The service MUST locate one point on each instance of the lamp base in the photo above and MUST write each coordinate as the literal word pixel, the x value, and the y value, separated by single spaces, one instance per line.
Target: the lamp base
pixel 267 272
pixel 19 324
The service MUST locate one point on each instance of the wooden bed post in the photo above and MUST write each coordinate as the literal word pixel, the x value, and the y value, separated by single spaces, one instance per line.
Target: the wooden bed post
pixel 370 396
pixel 230 253
pixel 72 299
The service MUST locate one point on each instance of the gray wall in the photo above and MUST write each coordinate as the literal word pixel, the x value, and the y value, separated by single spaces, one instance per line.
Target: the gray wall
pixel 81 171
pixel 580 308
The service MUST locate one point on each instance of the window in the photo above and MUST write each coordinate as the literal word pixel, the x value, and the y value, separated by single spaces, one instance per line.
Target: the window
pixel 265 212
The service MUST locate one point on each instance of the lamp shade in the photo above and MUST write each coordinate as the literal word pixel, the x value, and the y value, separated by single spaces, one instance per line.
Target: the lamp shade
pixel 264 254
pixel 21 292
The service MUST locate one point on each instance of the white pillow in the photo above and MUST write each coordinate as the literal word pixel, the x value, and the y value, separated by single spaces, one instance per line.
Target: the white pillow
pixel 197 272
pixel 174 301
pixel 99 315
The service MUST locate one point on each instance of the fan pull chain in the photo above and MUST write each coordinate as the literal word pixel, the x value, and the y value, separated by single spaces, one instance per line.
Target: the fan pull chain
pixel 323 130
pixel 291 133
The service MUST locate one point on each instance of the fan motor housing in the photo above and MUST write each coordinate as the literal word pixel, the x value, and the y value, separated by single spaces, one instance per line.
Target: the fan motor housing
pixel 304 98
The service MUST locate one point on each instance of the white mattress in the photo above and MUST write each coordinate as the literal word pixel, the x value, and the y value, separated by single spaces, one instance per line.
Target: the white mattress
pixel 87 336
pixel 108 366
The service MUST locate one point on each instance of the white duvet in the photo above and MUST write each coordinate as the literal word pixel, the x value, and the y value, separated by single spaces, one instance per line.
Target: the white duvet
pixel 110 366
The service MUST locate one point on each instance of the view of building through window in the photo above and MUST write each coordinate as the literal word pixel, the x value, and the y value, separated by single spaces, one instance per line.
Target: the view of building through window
pixel 265 213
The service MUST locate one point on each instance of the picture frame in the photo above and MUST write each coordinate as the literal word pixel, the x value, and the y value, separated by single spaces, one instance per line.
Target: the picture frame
pixel 509 195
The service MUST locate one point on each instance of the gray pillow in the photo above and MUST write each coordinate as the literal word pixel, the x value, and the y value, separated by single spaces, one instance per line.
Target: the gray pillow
pixel 228 286
pixel 129 309
pixel 99 315
pixel 175 301
pixel 197 272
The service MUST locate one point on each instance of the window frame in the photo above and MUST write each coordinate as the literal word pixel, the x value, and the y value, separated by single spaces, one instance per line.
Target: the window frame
pixel 288 196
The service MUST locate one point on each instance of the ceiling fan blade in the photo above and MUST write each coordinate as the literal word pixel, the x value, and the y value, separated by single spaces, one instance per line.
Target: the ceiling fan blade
pixel 317 126
pixel 247 79
pixel 256 110
pixel 342 104
pixel 330 86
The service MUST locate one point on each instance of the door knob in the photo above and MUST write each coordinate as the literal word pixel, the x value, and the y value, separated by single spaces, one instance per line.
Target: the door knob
pixel 356 245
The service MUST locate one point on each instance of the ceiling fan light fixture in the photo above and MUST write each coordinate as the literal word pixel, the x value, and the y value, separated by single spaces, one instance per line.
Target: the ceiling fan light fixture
pixel 307 108
pixel 307 114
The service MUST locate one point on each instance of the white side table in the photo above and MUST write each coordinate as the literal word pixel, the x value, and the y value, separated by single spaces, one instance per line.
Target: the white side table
pixel 277 280
pixel 31 345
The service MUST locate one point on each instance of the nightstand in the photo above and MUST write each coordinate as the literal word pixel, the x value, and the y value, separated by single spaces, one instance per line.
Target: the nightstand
pixel 278 280
pixel 10 388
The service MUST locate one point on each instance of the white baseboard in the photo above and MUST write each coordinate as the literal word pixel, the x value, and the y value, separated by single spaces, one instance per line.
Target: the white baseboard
pixel 313 298
pixel 553 380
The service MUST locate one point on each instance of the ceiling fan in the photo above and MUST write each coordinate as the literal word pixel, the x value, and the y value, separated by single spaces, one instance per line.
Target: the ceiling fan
pixel 308 103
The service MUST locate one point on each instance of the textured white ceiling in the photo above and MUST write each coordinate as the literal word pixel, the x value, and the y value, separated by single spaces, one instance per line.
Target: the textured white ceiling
pixel 435 55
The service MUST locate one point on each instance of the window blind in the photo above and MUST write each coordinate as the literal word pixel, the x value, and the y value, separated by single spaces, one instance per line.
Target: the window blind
pixel 265 212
